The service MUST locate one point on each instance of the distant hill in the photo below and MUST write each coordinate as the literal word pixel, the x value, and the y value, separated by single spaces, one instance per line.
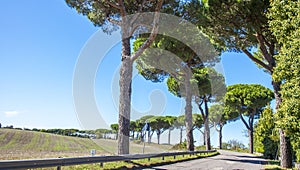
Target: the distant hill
pixel 22 144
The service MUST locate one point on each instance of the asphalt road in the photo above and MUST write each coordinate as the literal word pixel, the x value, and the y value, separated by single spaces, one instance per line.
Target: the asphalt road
pixel 227 160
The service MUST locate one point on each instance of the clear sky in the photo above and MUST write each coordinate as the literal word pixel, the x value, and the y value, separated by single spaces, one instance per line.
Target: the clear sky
pixel 40 42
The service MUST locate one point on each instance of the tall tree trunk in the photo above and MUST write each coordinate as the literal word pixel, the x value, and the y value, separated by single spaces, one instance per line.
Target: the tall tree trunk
pixel 285 151
pixel 220 135
pixel 142 136
pixel 285 144
pixel 180 135
pixel 206 127
pixel 250 133
pixel 150 136
pixel 207 135
pixel 188 113
pixel 169 137
pixel 125 98
pixel 158 138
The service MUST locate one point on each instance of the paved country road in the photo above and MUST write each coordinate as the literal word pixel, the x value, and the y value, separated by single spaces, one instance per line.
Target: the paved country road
pixel 227 160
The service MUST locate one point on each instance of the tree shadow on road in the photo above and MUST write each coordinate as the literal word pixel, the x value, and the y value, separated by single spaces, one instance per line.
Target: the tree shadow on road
pixel 251 157
pixel 250 161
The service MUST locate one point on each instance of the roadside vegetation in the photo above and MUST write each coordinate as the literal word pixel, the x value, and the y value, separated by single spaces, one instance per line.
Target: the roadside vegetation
pixel 142 163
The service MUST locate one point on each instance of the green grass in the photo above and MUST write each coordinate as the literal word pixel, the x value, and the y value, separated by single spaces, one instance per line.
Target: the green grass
pixel 139 164
pixel 22 144
pixel 274 165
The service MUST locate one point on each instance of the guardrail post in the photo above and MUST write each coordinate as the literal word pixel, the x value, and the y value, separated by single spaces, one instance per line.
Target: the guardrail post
pixel 59 168
pixel 101 164
pixel 174 156
pixel 148 159
pixel 163 158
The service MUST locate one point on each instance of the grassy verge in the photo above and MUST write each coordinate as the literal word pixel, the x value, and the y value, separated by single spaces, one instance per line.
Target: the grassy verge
pixel 274 165
pixel 142 163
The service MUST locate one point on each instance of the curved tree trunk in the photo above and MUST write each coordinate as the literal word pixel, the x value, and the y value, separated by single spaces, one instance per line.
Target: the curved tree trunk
pixel 125 98
pixel 249 127
pixel 188 113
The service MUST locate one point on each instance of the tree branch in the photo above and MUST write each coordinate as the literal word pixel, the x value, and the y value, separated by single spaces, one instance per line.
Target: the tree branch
pixel 153 34
pixel 201 110
pixel 243 120
pixel 261 63
pixel 215 125
pixel 116 22
pixel 262 46
pixel 201 131
pixel 122 8
pixel 114 5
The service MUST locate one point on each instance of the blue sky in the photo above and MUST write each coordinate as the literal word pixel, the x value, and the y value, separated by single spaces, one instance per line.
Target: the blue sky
pixel 40 42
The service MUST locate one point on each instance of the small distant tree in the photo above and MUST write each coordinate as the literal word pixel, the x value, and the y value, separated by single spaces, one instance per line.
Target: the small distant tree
pixel 248 100
pixel 179 124
pixel 159 124
pixel 115 128
pixel 140 124
pixel 219 117
pixel 133 127
pixel 235 144
pixel 170 120
pixel 198 124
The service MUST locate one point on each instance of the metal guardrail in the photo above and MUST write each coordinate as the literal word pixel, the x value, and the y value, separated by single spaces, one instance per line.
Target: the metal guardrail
pixel 58 162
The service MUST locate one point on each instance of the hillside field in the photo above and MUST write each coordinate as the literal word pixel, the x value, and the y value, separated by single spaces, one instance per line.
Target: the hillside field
pixel 22 144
